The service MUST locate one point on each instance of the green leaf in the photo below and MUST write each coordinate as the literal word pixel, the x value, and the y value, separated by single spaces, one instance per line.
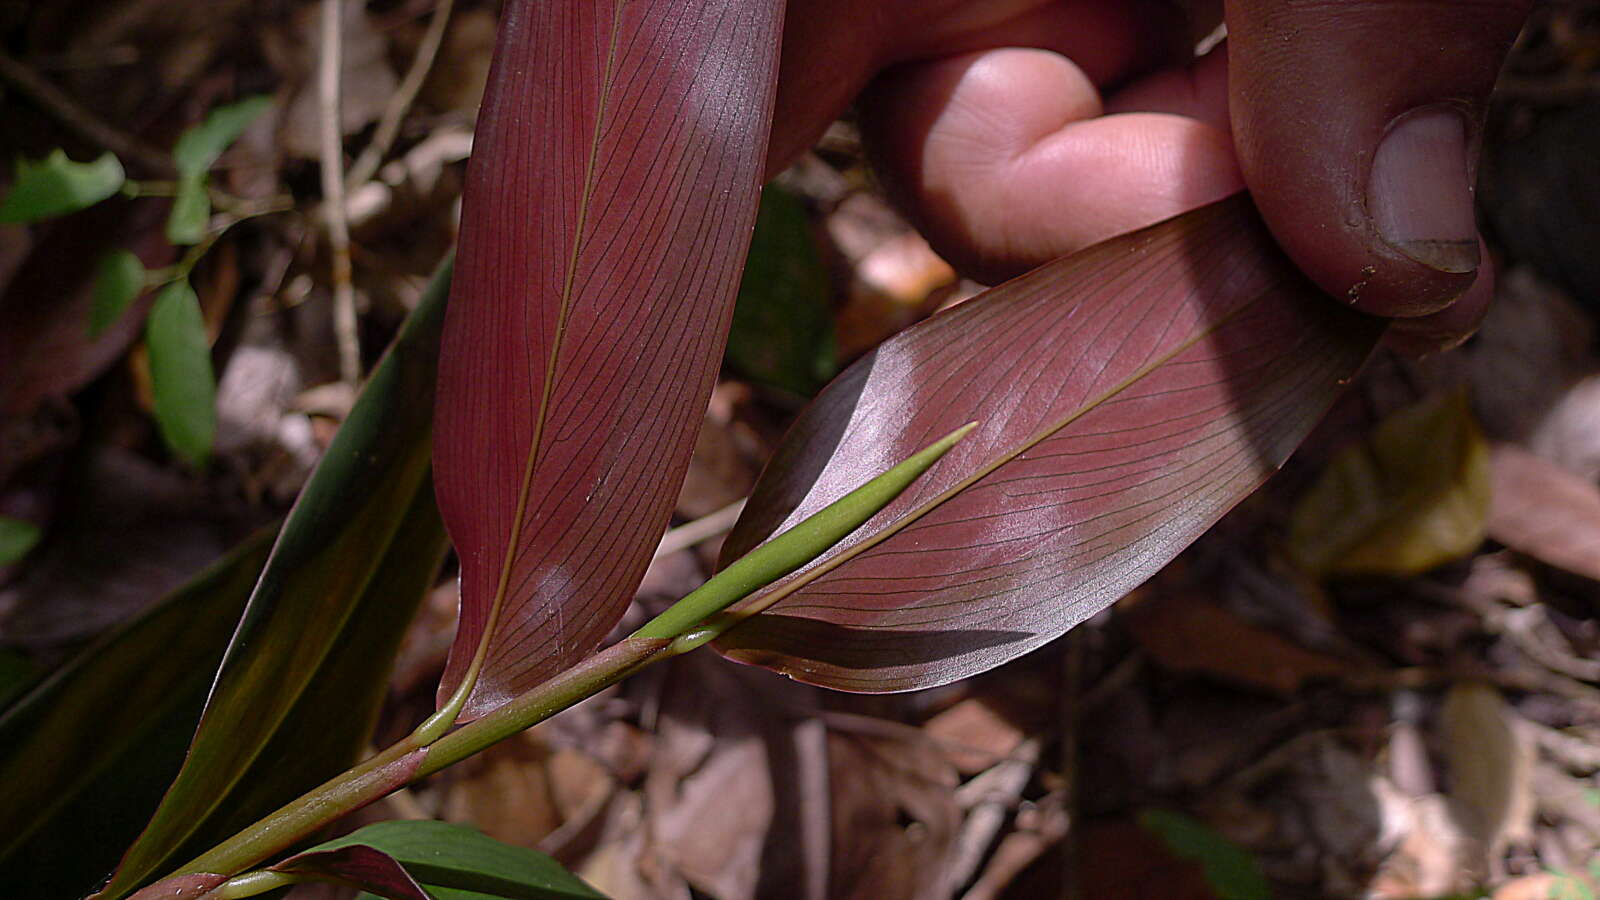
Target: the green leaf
pixel 55 186
pixel 450 862
pixel 117 282
pixel 17 537
pixel 1230 871
pixel 85 755
pixel 200 147
pixel 16 673
pixel 180 373
pixel 191 211
pixel 1412 495
pixel 295 696
pixel 782 333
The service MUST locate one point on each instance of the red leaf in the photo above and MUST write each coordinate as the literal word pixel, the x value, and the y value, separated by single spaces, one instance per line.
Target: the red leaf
pixel 608 207
pixel 1129 395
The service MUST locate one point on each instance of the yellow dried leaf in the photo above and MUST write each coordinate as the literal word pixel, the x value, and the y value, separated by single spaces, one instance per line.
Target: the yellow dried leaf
pixel 1412 495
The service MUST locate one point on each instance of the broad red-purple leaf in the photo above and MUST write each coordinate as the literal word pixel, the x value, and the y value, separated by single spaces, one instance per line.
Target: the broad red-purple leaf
pixel 609 204
pixel 1128 396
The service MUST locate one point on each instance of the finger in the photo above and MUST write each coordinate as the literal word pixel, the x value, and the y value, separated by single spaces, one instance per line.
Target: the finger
pixel 1004 161
pixel 1357 124
pixel 833 48
pixel 1448 327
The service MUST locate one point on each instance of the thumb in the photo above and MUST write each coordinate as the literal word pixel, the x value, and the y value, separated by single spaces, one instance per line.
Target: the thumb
pixel 1357 125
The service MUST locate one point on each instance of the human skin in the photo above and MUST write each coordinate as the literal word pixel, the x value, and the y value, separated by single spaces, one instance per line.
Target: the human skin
pixel 1016 131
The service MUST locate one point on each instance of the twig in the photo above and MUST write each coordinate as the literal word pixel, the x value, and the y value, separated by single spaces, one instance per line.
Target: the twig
pixel 82 121
pixel 338 224
pixel 704 528
pixel 400 101
pixel 990 797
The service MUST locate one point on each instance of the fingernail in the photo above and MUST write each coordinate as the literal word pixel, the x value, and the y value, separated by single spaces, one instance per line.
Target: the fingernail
pixel 1419 194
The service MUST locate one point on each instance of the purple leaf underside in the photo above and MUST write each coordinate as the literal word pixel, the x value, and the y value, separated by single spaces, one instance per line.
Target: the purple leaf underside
pixel 609 203
pixel 1128 396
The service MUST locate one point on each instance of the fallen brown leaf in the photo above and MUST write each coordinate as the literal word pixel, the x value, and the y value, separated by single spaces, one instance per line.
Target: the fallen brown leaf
pixel 1544 511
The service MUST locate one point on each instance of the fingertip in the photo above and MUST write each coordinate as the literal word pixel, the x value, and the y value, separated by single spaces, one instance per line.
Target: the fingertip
pixel 1003 160
pixel 1357 126
pixel 1450 327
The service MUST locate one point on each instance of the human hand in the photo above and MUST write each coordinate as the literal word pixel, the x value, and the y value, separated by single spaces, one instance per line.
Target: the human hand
pixel 1016 131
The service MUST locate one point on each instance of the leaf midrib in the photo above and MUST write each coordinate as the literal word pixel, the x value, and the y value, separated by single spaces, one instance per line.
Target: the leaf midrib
pixel 764 603
pixel 552 360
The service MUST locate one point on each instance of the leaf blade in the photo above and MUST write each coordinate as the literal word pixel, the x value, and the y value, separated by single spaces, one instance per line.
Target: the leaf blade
pixel 55 186
pixel 1129 396
pixel 84 755
pixel 578 309
pixel 119 279
pixel 365 516
pixel 199 147
pixel 438 855
pixel 180 373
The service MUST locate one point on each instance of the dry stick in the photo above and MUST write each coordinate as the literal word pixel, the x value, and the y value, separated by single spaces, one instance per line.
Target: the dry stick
pixel 366 165
pixel 83 122
pixel 335 217
pixel 702 529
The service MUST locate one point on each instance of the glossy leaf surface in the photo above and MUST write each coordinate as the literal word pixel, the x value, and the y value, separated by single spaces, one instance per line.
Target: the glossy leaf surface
pixel 85 756
pixel 452 862
pixel 1127 397
pixel 608 206
pixel 355 555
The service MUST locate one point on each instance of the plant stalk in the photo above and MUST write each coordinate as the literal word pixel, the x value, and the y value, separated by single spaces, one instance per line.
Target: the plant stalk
pixel 677 630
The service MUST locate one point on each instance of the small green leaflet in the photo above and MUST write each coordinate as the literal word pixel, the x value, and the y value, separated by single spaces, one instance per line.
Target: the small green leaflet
pixel 197 150
pixel 1230 871
pixel 191 211
pixel 17 537
pixel 180 373
pixel 55 186
pixel 118 280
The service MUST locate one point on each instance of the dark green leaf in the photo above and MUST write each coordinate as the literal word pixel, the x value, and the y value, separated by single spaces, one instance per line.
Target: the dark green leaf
pixel 17 537
pixel 307 665
pixel 1230 871
pixel 85 756
pixel 782 333
pixel 200 147
pixel 117 282
pixel 55 186
pixel 180 373
pixel 451 862
pixel 16 673
pixel 191 211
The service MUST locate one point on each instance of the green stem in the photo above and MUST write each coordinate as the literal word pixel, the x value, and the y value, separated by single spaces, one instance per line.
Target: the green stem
pixel 675 631
pixel 251 885
pixel 584 680
pixel 794 548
